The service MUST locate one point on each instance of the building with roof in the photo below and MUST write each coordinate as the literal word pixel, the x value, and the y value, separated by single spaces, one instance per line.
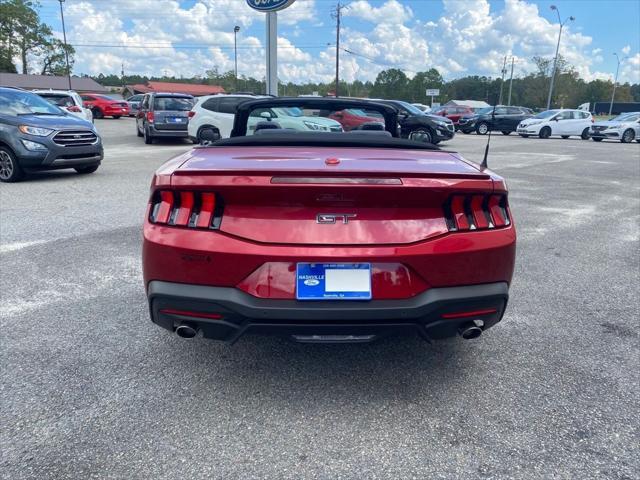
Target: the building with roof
pixel 194 89
pixel 54 82
pixel 475 104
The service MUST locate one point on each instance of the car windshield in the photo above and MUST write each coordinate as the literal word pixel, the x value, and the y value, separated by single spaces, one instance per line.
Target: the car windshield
pixel 180 104
pixel 411 108
pixel 626 117
pixel 19 102
pixel 546 114
pixel 289 112
pixel 58 100
pixel 484 111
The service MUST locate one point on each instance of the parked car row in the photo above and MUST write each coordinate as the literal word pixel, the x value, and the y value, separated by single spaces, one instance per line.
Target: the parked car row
pixel 45 133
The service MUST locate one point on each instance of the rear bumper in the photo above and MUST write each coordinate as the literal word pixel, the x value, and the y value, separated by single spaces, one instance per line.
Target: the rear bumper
pixel 159 132
pixel 172 304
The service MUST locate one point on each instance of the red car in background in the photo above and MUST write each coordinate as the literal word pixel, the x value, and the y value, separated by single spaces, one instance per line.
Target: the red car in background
pixel 352 118
pixel 102 106
pixel 325 237
pixel 454 113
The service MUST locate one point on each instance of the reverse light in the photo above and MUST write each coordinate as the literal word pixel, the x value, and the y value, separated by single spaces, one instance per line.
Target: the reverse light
pixel 186 209
pixel 476 212
pixel 36 131
pixel 150 117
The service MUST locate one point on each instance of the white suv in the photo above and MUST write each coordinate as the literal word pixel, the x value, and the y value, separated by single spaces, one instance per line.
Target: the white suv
pixel 564 123
pixel 218 112
pixel 67 100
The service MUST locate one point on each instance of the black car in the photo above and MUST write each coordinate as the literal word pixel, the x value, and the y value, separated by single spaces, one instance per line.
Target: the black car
pixel 36 135
pixel 163 115
pixel 416 124
pixel 505 120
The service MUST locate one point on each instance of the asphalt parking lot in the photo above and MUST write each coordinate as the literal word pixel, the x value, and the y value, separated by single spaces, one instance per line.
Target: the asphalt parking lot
pixel 92 389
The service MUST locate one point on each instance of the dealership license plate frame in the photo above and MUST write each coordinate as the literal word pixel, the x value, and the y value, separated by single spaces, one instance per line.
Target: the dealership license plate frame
pixel 344 281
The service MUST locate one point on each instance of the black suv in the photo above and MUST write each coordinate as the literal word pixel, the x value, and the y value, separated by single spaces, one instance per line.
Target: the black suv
pixel 416 124
pixel 506 120
pixel 163 115
pixel 36 135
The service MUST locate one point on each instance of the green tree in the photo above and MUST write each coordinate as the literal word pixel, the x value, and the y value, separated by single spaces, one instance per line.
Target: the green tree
pixel 391 83
pixel 418 85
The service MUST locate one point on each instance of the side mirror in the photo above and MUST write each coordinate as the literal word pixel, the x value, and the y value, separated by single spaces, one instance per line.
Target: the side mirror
pixel 402 116
pixel 209 135
pixel 266 115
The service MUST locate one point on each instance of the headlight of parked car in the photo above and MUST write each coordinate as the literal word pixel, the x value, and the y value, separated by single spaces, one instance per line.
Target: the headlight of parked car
pixel 33 146
pixel 315 126
pixel 37 131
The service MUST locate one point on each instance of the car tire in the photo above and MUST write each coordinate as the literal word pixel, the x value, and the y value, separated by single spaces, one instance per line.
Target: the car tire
pixel 596 139
pixel 565 136
pixel 504 132
pixel 97 113
pixel 482 128
pixel 10 170
pixel 426 135
pixel 545 132
pixel 86 170
pixel 585 134
pixel 628 136
pixel 198 139
pixel 148 139
pixel 523 135
pixel 466 132
pixel 116 117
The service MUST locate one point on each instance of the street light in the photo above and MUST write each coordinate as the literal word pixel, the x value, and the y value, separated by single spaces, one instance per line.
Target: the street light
pixel 615 82
pixel 236 29
pixel 555 61
pixel 66 50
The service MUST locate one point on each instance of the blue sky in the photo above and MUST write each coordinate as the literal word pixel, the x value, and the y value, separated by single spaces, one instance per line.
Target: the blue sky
pixel 459 37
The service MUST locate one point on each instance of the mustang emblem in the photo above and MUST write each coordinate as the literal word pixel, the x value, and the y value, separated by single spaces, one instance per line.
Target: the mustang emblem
pixel 330 218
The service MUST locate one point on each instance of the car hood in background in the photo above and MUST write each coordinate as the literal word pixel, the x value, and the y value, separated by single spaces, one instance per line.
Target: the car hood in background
pixel 609 123
pixel 49 121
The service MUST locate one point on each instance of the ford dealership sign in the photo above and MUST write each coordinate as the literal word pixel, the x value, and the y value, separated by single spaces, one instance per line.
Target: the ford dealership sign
pixel 269 5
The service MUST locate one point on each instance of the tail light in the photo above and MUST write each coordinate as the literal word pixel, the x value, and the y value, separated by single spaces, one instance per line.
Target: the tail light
pixel 191 113
pixel 186 209
pixel 150 117
pixel 476 212
pixel 74 108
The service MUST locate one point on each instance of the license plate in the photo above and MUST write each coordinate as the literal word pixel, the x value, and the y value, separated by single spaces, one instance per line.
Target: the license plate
pixel 175 119
pixel 333 281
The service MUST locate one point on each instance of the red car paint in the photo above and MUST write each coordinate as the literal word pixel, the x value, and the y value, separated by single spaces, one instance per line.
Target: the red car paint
pixel 350 120
pixel 108 107
pixel 268 226
pixel 454 113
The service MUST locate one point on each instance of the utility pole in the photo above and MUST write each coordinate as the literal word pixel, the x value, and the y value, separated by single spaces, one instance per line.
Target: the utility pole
pixel 615 82
pixel 511 81
pixel 122 73
pixel 337 15
pixel 504 71
pixel 236 29
pixel 555 61
pixel 66 48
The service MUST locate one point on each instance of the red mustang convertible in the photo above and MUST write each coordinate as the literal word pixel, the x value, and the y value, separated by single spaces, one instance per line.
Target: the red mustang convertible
pixel 326 237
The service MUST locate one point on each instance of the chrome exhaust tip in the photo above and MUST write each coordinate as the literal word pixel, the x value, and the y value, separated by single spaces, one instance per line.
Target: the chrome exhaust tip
pixel 469 331
pixel 186 331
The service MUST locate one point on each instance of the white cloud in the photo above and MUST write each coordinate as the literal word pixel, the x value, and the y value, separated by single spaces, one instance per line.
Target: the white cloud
pixel 626 50
pixel 391 11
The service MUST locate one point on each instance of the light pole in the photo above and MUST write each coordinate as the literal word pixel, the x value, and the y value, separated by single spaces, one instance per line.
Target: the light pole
pixel 555 61
pixel 615 82
pixel 66 50
pixel 236 29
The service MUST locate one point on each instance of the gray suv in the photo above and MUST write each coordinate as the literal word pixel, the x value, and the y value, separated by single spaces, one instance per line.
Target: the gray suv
pixel 163 115
pixel 36 135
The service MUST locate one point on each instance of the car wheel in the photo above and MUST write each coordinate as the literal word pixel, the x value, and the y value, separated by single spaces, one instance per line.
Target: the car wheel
pixel 565 136
pixel 97 113
pixel 84 170
pixel 628 136
pixel 116 117
pixel 545 132
pixel 148 139
pixel 10 171
pixel 466 132
pixel 524 136
pixel 585 134
pixel 198 138
pixel 504 132
pixel 421 136
pixel 596 139
pixel 482 128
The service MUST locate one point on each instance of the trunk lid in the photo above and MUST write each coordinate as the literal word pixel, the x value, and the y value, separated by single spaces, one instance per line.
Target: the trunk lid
pixel 330 196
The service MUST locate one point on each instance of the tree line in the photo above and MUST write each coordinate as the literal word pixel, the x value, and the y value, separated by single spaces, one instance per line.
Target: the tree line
pixel 23 36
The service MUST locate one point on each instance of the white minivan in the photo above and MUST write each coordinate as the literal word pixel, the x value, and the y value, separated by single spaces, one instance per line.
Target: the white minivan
pixel 564 123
